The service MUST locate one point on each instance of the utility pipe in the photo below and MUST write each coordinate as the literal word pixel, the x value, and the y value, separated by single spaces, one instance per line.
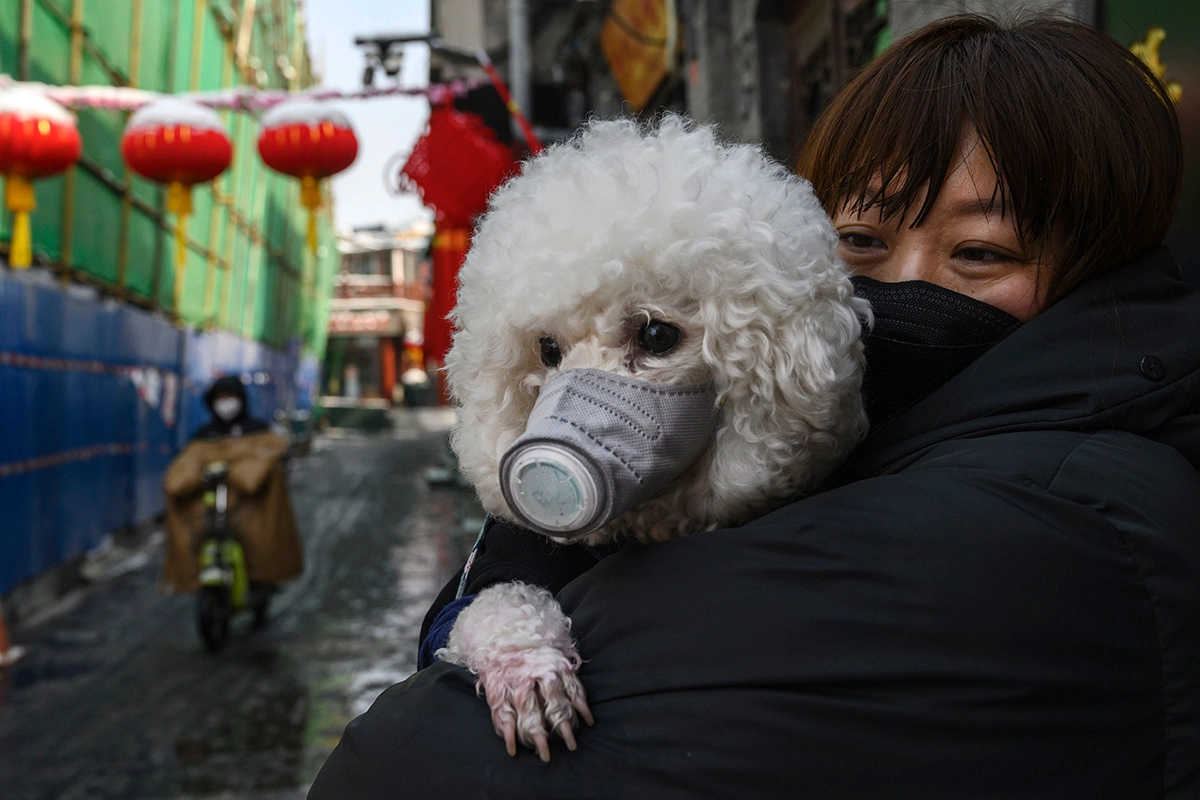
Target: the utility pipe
pixel 518 53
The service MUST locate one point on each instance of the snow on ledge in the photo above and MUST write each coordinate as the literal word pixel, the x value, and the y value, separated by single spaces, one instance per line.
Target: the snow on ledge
pixel 173 111
pixel 31 104
pixel 303 111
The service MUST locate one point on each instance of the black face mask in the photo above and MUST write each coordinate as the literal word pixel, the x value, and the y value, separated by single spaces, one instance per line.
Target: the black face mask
pixel 924 335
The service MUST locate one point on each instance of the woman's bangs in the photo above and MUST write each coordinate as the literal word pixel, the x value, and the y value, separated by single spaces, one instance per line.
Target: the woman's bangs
pixel 898 142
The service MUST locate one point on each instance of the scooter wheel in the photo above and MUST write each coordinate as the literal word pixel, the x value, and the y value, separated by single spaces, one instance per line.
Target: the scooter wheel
pixel 261 594
pixel 213 610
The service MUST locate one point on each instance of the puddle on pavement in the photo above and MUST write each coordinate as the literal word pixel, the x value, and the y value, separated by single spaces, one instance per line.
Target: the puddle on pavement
pixel 258 745
pixel 34 669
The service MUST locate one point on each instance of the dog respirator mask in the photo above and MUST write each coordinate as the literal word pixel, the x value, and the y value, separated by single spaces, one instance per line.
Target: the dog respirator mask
pixel 598 444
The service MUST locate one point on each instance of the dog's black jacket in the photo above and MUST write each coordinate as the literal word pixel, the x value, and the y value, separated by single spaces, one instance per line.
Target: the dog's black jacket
pixel 999 598
pixel 508 553
pixel 504 553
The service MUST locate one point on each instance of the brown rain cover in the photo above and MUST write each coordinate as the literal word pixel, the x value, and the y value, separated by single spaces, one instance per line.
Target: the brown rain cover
pixel 260 512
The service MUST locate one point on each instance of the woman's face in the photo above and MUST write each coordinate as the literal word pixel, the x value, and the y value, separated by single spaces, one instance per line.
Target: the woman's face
pixel 960 245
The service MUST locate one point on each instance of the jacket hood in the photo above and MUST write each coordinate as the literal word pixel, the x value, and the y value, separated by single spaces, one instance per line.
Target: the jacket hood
pixel 1121 352
pixel 229 384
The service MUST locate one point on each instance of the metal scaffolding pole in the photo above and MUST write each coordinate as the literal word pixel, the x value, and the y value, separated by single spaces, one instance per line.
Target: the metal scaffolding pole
pixel 518 54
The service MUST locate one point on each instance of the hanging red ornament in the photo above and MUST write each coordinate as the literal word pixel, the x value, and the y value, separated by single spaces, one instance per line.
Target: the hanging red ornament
pixel 310 141
pixel 37 138
pixel 181 144
pixel 457 164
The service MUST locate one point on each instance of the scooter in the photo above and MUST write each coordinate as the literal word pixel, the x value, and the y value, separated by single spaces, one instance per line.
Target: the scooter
pixel 225 587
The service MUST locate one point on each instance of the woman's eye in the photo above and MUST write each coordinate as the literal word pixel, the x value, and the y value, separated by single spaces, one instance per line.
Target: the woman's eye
pixel 657 337
pixel 979 254
pixel 861 241
pixel 551 353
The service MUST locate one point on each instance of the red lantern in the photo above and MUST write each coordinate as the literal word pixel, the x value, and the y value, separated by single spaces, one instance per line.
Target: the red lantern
pixel 37 138
pixel 310 141
pixel 179 143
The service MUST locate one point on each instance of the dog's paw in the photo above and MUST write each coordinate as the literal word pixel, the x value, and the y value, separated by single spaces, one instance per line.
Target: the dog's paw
pixel 516 639
pixel 534 694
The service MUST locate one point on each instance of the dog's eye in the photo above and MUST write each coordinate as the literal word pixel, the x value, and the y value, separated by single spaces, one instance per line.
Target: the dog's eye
pixel 551 353
pixel 658 337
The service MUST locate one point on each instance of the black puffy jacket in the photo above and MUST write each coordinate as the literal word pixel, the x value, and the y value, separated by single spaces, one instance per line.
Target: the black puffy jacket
pixel 1001 599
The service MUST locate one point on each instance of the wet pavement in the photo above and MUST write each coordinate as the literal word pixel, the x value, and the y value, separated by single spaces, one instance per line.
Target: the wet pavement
pixel 118 699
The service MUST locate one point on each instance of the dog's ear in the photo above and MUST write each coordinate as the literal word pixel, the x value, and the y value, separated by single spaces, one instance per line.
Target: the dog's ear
pixel 788 372
pixel 486 376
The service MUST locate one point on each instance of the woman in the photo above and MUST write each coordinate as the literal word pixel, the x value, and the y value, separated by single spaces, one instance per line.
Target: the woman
pixel 999 596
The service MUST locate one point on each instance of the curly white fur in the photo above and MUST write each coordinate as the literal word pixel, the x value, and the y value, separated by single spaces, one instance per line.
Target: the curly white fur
pixel 620 225
pixel 595 238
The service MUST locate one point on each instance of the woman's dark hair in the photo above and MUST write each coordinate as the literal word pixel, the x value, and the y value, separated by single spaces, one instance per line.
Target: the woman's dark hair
pixel 1083 136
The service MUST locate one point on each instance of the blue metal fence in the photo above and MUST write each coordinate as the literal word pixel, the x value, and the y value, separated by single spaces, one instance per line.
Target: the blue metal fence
pixel 96 397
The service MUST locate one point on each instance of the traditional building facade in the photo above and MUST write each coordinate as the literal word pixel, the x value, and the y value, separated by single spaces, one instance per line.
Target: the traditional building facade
pixel 377 314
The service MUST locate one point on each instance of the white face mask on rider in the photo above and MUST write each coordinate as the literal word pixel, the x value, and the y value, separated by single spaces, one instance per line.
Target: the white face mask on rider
pixel 227 409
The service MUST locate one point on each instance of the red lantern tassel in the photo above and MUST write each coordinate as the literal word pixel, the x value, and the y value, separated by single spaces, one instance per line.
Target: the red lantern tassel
pixel 310 198
pixel 18 196
pixel 179 203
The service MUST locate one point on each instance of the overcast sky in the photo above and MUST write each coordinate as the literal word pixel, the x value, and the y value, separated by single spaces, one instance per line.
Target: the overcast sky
pixel 385 128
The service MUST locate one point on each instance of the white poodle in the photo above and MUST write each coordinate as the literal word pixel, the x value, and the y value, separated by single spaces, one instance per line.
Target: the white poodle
pixel 688 292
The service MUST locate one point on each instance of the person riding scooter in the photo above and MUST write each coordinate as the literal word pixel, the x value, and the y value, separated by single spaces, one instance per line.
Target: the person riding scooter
pixel 231 530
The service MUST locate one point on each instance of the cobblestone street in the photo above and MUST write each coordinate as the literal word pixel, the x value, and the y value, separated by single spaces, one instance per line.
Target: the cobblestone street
pixel 118 699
